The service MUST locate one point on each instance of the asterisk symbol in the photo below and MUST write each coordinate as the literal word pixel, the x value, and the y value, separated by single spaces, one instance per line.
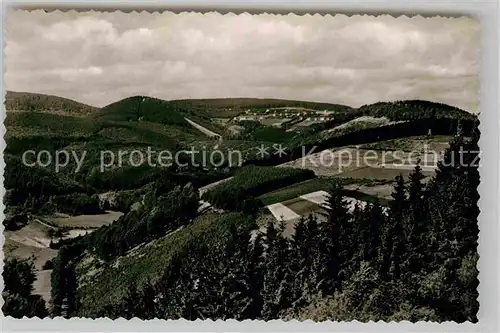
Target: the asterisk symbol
pixel 279 149
pixel 262 151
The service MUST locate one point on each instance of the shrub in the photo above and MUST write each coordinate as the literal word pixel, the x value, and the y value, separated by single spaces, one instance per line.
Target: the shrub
pixel 76 203
pixel 48 265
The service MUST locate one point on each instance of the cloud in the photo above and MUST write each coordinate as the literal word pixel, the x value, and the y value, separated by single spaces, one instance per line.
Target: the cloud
pixel 98 58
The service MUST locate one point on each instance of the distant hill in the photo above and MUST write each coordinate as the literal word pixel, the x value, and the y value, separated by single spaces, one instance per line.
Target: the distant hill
pixel 231 107
pixel 24 101
pixel 143 108
pixel 258 103
pixel 138 108
pixel 413 109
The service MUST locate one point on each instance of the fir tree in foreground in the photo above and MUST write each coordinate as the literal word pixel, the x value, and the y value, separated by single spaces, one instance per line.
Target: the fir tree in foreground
pixel 19 301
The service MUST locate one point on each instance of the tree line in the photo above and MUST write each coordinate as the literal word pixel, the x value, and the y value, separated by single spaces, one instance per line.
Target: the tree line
pixel 239 193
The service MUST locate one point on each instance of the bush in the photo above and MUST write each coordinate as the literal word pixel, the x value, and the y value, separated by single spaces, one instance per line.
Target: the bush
pixel 14 222
pixel 48 265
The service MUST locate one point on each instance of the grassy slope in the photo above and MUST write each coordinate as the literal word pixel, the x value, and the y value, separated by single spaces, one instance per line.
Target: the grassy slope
pixel 148 262
pixel 413 109
pixel 23 101
pixel 141 108
pixel 25 124
pixel 30 130
pixel 312 185
pixel 44 131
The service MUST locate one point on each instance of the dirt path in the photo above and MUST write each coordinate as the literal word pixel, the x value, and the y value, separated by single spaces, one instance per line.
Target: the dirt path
pixel 204 130
pixel 44 224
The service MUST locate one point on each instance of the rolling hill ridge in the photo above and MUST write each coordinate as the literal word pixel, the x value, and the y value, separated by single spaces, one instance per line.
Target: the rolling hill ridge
pixel 24 101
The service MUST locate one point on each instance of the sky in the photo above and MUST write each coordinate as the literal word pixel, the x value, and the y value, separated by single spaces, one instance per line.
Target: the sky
pixel 99 58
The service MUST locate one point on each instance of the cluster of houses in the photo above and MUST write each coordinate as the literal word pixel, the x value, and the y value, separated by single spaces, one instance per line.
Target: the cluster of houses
pixel 299 115
pixel 302 118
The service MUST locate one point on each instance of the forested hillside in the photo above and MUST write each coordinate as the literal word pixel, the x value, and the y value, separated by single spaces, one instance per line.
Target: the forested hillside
pixel 24 101
pixel 413 109
pixel 177 249
pixel 142 108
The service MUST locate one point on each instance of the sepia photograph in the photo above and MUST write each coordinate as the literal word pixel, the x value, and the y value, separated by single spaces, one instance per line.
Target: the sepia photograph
pixel 241 166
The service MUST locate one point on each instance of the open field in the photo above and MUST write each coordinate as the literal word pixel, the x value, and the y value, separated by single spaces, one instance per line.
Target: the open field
pixel 84 221
pixel 383 191
pixel 31 242
pixel 380 173
pixel 291 211
pixel 282 212
pixel 318 197
pixel 364 163
pixel 306 123
pixel 317 184
pixel 221 121
pixel 304 205
pixel 361 122
pixel 330 162
pixel 292 191
pixel 273 121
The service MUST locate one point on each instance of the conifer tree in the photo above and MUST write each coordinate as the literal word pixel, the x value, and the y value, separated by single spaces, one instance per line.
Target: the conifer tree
pixel 305 261
pixel 277 277
pixel 19 300
pixel 395 240
pixel 372 244
pixel 416 223
pixel 335 246
pixel 70 288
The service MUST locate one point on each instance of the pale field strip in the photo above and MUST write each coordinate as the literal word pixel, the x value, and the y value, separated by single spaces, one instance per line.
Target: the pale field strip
pixel 428 168
pixel 362 119
pixel 83 221
pixel 42 286
pixel 282 212
pixel 381 191
pixel 320 198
